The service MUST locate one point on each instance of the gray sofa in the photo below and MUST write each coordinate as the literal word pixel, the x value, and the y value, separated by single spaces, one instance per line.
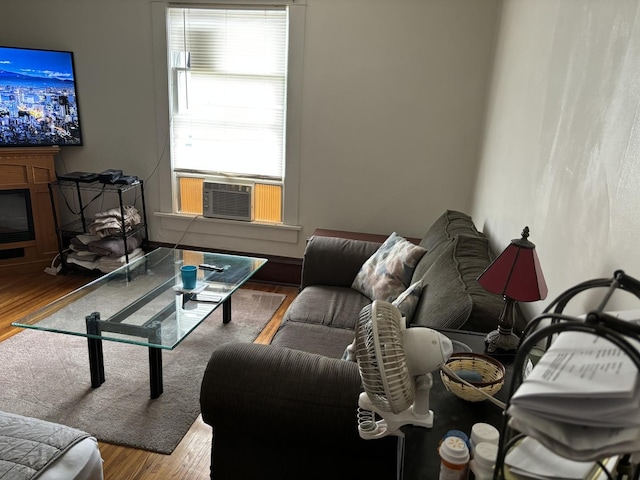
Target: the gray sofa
pixel 288 410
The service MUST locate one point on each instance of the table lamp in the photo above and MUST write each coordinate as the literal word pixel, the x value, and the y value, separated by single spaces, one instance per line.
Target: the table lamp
pixel 517 276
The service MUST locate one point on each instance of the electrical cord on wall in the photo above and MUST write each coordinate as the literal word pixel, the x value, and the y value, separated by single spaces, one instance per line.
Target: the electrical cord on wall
pixel 81 210
pixel 164 150
pixel 184 234
pixel 62 160
pixel 186 230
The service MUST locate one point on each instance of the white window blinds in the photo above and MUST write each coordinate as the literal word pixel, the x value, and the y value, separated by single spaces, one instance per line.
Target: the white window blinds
pixel 228 90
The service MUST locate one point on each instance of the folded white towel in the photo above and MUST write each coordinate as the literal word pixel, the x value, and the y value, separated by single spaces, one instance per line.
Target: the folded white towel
pixel 109 264
pixel 89 265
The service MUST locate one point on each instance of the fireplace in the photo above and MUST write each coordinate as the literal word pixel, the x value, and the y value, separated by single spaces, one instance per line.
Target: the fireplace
pixel 16 219
pixel 28 239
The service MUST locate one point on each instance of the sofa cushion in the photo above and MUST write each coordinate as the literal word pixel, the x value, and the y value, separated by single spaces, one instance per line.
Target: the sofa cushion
pixel 453 298
pixel 334 261
pixel 437 238
pixel 330 306
pixel 447 226
pixel 388 272
pixel 313 338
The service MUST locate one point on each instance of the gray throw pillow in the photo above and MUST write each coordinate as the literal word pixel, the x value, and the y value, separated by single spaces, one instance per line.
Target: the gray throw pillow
pixel 453 298
pixel 450 224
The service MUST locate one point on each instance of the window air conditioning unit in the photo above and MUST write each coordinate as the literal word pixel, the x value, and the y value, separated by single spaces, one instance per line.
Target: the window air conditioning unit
pixel 233 201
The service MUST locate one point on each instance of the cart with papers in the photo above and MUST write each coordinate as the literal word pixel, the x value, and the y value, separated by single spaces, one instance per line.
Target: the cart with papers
pixel 576 413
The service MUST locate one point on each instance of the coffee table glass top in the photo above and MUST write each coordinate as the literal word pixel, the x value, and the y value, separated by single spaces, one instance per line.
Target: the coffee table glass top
pixel 143 303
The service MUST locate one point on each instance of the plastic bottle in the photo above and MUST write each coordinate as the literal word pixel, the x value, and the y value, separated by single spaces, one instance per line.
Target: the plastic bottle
pixel 483 432
pixel 463 436
pixel 454 456
pixel 483 461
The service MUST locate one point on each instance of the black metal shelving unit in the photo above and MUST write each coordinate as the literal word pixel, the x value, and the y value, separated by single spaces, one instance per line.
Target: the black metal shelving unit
pixel 596 322
pixel 85 195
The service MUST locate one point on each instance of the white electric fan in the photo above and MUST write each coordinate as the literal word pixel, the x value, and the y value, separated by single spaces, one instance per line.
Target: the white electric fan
pixel 395 366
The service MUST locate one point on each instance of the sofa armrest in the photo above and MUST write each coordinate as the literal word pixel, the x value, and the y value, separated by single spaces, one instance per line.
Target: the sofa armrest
pixel 282 413
pixel 280 392
pixel 334 261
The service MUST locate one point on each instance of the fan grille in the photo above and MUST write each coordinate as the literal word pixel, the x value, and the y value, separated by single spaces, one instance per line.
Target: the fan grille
pixel 381 359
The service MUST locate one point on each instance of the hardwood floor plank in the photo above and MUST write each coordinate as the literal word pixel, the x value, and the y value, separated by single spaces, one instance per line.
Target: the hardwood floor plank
pixel 191 458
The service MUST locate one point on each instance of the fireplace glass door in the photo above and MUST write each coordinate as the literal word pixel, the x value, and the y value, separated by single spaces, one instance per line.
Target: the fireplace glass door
pixel 16 217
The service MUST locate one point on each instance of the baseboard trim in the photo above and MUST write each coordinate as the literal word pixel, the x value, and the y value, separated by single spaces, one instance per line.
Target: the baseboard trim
pixel 278 270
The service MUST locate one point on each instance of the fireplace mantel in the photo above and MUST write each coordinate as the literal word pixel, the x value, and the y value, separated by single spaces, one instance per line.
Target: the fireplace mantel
pixel 30 168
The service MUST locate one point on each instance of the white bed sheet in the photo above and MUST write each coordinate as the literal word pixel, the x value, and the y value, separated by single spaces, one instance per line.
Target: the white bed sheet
pixel 81 462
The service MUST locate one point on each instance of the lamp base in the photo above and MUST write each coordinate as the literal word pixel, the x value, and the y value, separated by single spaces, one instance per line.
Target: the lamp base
pixel 501 340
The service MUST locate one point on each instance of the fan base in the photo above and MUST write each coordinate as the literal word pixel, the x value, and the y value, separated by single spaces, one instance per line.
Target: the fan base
pixel 389 423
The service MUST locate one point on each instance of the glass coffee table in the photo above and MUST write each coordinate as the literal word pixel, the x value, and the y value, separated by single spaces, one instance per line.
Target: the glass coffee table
pixel 143 303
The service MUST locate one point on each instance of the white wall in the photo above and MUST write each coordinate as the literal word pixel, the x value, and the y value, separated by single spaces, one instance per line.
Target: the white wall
pixel 393 103
pixel 394 94
pixel 562 146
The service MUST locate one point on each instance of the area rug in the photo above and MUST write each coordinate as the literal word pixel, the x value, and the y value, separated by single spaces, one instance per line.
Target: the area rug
pixel 46 375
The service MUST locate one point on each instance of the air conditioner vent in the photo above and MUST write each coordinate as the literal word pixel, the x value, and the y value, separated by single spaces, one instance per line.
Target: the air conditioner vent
pixel 233 201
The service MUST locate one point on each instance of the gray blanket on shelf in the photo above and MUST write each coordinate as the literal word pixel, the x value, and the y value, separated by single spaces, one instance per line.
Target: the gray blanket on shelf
pixel 111 221
pixel 113 247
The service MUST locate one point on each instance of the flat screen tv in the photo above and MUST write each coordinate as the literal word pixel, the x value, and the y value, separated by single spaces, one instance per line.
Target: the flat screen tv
pixel 38 98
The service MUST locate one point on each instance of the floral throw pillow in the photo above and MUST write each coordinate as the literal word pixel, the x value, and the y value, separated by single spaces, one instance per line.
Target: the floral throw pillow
pixel 387 273
pixel 407 301
pixel 350 352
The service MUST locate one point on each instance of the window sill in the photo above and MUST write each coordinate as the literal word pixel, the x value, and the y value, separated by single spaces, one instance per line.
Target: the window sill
pixel 199 225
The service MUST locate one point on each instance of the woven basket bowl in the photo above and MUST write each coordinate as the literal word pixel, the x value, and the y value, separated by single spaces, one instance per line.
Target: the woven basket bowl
pixel 492 372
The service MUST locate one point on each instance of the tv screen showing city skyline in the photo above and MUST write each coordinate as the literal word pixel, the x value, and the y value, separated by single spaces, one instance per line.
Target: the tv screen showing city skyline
pixel 38 98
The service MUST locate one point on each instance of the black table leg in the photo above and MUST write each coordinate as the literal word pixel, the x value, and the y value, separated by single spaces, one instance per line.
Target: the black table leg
pixel 96 357
pixel 96 362
pixel 155 371
pixel 226 310
pixel 400 459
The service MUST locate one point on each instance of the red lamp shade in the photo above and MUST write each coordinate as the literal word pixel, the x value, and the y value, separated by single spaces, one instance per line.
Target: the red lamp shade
pixel 516 273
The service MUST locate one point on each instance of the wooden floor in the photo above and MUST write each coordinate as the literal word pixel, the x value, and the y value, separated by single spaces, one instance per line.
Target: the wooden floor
pixel 190 460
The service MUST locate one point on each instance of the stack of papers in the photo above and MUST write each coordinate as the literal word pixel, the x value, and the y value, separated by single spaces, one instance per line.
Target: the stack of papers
pixel 531 459
pixel 581 400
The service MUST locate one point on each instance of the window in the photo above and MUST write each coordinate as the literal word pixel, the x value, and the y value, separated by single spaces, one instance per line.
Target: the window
pixel 228 97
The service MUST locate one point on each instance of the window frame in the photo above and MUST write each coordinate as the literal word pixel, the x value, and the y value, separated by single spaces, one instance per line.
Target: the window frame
pixel 210 98
pixel 167 178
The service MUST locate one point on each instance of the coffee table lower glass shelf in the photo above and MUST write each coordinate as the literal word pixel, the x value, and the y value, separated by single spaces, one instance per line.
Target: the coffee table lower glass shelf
pixel 143 303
